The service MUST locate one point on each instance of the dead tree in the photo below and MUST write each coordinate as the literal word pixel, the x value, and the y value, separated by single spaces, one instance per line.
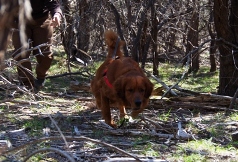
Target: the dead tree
pixel 192 39
pixel 225 19
pixel 213 47
pixel 154 35
pixel 75 31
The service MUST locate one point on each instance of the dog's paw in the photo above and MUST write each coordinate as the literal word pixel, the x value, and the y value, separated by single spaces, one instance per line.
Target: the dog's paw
pixel 109 125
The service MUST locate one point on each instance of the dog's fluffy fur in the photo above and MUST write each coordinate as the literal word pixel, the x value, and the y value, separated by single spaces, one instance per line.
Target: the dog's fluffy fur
pixel 130 87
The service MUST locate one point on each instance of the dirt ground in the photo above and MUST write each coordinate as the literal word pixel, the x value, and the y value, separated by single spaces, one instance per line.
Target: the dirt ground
pixel 63 125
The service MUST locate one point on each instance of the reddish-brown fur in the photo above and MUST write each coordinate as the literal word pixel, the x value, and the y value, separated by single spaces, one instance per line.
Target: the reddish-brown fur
pixel 131 88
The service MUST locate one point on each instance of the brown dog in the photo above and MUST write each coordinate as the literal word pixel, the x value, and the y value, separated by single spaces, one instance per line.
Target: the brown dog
pixel 120 81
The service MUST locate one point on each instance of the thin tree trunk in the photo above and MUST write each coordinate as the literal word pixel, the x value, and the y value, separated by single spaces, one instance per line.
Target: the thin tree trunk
pixel 192 39
pixel 83 34
pixel 213 47
pixel 154 32
pixel 143 42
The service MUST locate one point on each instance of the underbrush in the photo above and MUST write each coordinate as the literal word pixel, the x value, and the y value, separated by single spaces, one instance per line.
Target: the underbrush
pixel 75 115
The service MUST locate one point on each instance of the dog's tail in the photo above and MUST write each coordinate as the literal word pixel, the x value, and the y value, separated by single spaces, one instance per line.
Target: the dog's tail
pixel 114 44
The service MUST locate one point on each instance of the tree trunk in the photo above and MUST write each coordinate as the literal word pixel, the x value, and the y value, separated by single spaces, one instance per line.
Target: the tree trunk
pixel 226 22
pixel 76 32
pixel 83 34
pixel 144 45
pixel 213 46
pixel 212 53
pixel 139 34
pixel 154 32
pixel 192 39
pixel 118 25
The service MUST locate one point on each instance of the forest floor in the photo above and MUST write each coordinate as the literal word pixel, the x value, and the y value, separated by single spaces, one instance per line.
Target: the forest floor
pixel 62 123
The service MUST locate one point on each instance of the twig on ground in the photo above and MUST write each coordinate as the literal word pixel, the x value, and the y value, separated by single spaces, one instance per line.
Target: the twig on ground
pixel 66 74
pixel 31 102
pixel 106 125
pixel 154 123
pixel 61 134
pixel 162 83
pixel 186 90
pixel 122 159
pixel 62 153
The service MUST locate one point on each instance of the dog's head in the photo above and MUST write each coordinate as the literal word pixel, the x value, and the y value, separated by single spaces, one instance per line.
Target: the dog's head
pixel 134 91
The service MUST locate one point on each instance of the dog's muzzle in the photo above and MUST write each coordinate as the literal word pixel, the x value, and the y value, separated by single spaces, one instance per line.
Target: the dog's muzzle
pixel 138 103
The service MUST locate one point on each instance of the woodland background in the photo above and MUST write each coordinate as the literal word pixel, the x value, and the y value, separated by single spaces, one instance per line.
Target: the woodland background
pixel 153 30
pixel 190 127
pixel 161 31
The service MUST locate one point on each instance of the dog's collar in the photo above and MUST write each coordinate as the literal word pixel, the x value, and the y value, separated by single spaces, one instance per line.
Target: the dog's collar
pixel 106 79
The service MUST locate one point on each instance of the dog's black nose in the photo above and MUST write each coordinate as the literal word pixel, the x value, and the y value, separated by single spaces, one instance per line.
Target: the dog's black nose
pixel 138 103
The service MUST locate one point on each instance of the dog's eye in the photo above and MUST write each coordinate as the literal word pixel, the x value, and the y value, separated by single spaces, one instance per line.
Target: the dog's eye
pixel 141 90
pixel 130 90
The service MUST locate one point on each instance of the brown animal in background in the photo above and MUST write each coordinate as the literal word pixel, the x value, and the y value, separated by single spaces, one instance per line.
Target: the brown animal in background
pixel 120 81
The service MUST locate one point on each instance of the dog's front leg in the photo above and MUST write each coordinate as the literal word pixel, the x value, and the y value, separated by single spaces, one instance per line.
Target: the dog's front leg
pixel 106 112
pixel 122 111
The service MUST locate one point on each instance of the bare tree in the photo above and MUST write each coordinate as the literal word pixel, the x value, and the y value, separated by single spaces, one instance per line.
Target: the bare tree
pixel 76 31
pixel 153 31
pixel 192 38
pixel 212 33
pixel 226 21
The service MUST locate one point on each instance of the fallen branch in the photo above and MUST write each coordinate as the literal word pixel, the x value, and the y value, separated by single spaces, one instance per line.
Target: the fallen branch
pixel 162 83
pixel 75 139
pixel 61 134
pixel 185 90
pixel 192 105
pixel 132 160
pixel 218 96
pixel 121 132
pixel 31 102
pixel 154 123
pixel 65 74
pixel 207 97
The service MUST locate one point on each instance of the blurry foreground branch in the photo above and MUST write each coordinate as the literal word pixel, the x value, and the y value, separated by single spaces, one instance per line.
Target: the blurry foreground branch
pixel 9 11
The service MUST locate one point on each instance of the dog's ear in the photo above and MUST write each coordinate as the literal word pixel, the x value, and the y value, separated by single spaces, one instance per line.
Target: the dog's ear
pixel 119 87
pixel 149 88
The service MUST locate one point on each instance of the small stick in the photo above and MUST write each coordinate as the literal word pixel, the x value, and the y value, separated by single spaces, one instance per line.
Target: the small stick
pixel 63 153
